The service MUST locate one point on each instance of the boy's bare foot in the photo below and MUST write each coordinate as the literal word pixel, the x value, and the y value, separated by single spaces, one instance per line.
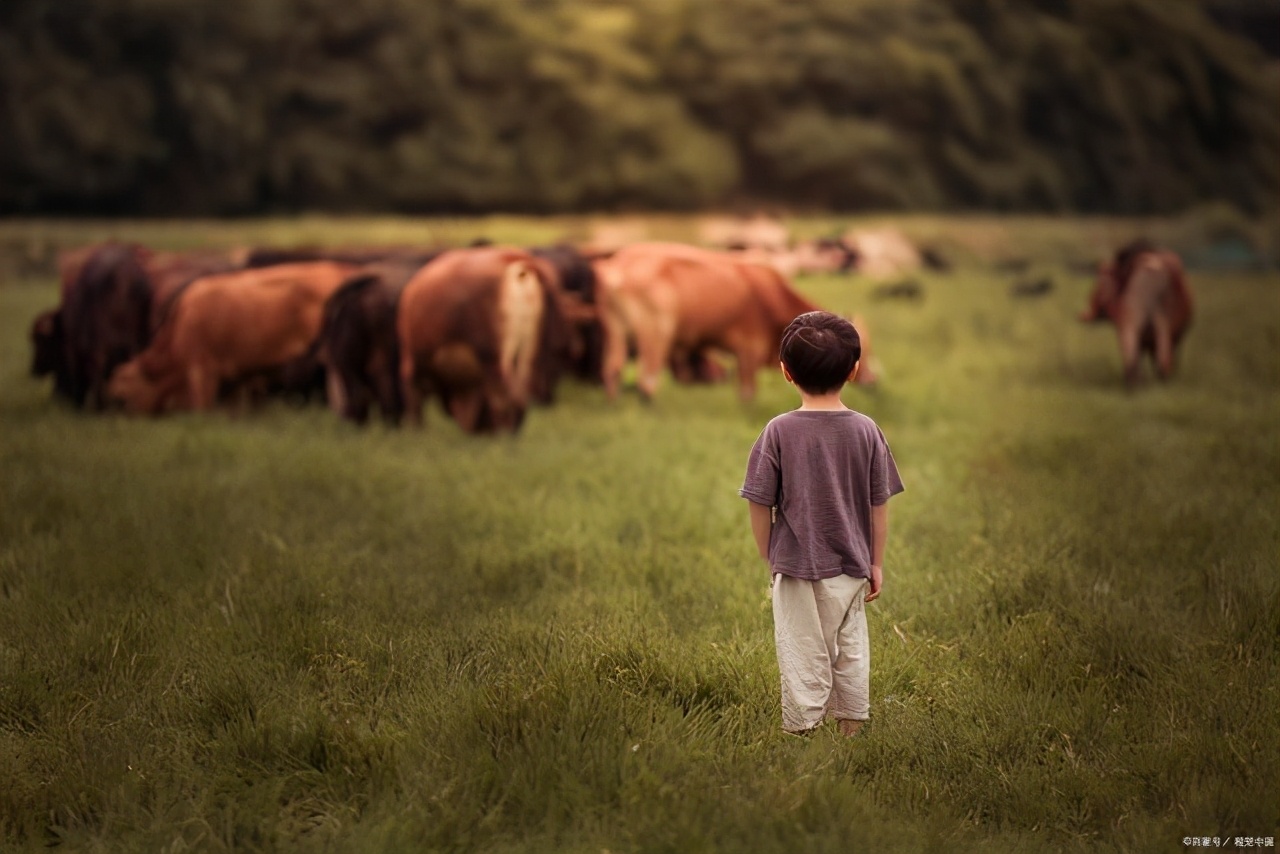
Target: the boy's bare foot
pixel 849 728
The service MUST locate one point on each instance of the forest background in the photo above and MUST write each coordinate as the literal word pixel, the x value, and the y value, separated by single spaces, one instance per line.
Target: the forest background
pixel 237 107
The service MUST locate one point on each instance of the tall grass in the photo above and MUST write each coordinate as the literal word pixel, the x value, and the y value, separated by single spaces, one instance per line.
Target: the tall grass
pixel 280 632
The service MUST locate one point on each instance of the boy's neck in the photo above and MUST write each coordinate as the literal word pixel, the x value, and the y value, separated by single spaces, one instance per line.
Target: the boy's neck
pixel 829 402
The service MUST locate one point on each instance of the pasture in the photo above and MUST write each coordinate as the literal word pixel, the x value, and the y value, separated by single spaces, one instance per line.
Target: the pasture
pixel 279 632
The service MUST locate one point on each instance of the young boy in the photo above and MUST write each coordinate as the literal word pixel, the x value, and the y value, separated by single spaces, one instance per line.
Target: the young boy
pixel 819 479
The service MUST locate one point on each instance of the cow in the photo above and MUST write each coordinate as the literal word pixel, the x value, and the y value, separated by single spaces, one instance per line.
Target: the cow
pixel 113 296
pixel 823 255
pixel 1143 291
pixel 227 327
pixel 882 253
pixel 583 353
pixel 105 319
pixel 358 345
pixel 676 302
pixel 474 328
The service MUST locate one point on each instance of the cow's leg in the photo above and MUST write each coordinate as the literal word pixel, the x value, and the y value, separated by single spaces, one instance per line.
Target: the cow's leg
pixel 386 389
pixel 359 400
pixel 1164 346
pixel 468 410
pixel 202 387
pixel 654 346
pixel 749 360
pixel 335 390
pixel 1130 353
pixel 410 392
pixel 614 356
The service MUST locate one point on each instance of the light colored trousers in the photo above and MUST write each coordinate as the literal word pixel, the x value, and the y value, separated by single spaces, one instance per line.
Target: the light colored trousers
pixel 824 653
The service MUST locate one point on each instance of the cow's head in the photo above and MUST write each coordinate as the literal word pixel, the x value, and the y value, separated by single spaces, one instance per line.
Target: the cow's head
pixel 131 387
pixel 46 344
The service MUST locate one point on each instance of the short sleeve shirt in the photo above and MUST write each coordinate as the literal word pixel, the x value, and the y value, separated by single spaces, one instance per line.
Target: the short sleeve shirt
pixel 823 471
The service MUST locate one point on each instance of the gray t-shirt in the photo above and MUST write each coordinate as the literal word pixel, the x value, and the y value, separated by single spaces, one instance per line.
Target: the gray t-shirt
pixel 823 471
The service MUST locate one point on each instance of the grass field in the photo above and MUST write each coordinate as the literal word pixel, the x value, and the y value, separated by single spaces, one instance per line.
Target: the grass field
pixel 283 633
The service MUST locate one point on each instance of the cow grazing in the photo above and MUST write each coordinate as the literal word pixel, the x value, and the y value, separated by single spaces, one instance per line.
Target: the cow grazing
pixel 676 301
pixel 823 255
pixel 226 328
pixel 105 319
pixel 358 345
pixel 474 326
pixel 583 353
pixel 1143 291
pixel 113 296
pixel 46 343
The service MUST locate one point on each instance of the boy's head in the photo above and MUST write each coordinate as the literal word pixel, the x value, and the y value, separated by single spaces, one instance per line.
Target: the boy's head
pixel 820 351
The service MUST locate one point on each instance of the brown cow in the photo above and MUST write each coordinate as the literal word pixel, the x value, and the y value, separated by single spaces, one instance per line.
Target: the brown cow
pixel 358 346
pixel 113 296
pixel 1144 292
pixel 105 318
pixel 474 327
pixel 225 327
pixel 676 301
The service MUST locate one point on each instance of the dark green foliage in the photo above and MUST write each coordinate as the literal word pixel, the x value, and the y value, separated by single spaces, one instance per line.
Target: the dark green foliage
pixel 233 106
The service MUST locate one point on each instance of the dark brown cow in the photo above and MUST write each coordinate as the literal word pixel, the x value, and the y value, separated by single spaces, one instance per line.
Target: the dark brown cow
pixel 474 328
pixel 51 350
pixel 358 345
pixel 105 319
pixel 224 328
pixel 676 301
pixel 1144 292
pixel 585 351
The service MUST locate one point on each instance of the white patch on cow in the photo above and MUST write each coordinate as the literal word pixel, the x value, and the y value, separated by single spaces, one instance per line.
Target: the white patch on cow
pixel 520 304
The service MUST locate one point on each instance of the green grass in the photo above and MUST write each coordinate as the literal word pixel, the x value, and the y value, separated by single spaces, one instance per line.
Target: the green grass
pixel 282 633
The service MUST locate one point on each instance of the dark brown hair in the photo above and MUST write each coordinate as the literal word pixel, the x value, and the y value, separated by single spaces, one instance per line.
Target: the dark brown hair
pixel 820 349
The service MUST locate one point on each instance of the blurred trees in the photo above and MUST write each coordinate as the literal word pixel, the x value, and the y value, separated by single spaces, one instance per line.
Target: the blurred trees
pixel 240 106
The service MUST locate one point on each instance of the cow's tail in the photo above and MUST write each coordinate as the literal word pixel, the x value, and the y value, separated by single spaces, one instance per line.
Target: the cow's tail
pixel 521 309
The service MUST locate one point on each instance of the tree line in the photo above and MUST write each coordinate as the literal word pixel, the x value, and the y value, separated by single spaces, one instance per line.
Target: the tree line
pixel 225 107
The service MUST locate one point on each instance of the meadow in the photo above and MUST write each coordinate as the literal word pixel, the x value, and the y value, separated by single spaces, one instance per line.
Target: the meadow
pixel 280 632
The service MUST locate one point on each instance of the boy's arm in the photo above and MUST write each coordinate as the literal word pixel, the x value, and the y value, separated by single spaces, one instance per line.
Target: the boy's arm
pixel 879 537
pixel 761 523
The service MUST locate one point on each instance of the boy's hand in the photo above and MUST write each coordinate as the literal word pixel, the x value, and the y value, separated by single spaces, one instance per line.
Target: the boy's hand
pixel 877 581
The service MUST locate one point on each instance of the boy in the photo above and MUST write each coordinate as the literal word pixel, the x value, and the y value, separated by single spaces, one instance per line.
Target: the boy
pixel 819 479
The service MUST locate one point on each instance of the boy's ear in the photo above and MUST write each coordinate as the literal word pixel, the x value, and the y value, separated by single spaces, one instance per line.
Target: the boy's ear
pixel 854 373
pixel 785 372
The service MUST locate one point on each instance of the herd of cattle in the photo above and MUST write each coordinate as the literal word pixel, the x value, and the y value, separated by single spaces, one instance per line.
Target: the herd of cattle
pixel 488 330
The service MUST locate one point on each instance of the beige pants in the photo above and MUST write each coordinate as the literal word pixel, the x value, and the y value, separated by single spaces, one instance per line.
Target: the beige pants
pixel 824 654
